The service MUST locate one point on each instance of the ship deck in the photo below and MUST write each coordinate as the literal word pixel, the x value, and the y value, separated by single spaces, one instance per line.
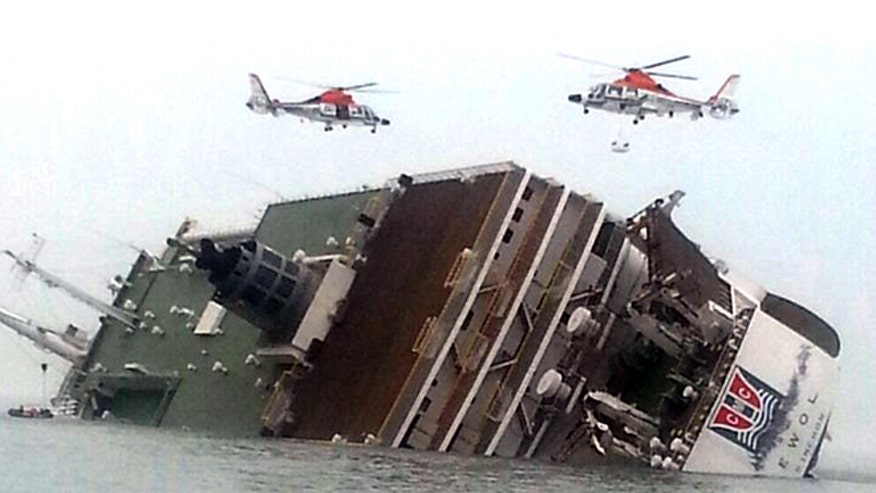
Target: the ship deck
pixel 367 357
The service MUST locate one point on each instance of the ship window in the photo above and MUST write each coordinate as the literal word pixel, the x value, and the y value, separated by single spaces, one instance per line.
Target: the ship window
pixel 265 277
pixel 527 193
pixel 467 320
pixel 506 238
pixel 518 213
pixel 600 246
pixel 803 322
pixel 425 404
pixel 286 286
pixel 723 297
pixel 367 220
pixel 271 258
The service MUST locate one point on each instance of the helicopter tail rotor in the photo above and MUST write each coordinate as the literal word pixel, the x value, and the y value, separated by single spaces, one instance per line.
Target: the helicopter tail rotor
pixel 723 105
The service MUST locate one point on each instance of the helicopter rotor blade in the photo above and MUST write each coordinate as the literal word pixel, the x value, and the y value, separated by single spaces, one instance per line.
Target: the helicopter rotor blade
pixel 637 69
pixel 376 91
pixel 603 75
pixel 593 62
pixel 672 76
pixel 306 82
pixel 665 62
pixel 356 87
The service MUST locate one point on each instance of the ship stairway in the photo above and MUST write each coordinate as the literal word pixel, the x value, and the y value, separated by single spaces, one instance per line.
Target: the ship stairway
pixel 276 414
pixel 458 267
pixel 425 334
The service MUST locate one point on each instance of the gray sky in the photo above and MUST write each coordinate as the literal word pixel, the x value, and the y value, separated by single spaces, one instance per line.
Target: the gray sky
pixel 117 123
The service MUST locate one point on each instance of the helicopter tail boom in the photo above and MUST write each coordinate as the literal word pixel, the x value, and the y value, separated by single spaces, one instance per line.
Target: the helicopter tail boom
pixel 259 101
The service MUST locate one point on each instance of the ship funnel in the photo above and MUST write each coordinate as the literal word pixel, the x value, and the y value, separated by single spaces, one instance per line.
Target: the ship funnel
pixel 261 285
pixel 219 263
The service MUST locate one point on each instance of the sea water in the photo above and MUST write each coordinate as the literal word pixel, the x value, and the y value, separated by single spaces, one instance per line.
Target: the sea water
pixel 68 455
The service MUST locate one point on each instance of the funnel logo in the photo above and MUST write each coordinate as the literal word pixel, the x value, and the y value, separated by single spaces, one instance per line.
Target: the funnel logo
pixel 746 410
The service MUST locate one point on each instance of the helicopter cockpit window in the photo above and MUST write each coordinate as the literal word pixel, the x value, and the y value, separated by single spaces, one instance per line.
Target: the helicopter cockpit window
pixel 615 91
pixel 357 111
pixel 597 92
pixel 369 115
pixel 328 109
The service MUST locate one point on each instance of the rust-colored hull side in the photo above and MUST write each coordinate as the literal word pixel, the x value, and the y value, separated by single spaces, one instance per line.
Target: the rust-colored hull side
pixel 367 357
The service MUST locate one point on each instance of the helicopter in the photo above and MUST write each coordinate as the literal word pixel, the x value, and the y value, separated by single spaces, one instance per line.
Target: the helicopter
pixel 332 107
pixel 638 94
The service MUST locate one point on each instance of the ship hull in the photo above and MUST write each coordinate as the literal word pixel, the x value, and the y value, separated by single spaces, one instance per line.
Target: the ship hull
pixel 483 310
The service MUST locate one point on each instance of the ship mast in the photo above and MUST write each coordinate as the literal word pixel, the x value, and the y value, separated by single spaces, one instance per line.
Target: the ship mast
pixel 54 281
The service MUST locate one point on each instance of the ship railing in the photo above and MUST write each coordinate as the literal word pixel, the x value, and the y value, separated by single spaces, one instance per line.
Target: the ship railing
pixel 457 268
pixel 464 173
pixel 306 197
pixel 425 335
pixel 276 402
pixel 722 366
pixel 499 401
pixel 477 349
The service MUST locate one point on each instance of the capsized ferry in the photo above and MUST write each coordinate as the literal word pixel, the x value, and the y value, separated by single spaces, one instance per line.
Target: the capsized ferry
pixel 481 310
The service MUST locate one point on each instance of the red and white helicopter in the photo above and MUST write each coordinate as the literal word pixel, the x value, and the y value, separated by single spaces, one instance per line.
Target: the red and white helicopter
pixel 638 94
pixel 333 107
